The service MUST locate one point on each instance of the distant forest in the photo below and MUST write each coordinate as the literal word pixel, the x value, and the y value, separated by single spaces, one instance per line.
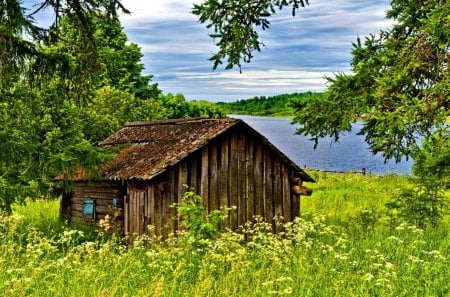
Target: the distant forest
pixel 275 106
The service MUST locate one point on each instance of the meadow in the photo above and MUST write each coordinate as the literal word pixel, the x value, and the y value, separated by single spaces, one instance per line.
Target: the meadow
pixel 346 243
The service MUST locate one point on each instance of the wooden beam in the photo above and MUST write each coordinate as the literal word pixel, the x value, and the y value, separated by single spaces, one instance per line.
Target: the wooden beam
pixel 259 180
pixel 151 207
pixel 287 205
pixel 213 178
pixel 242 180
pixel 250 186
pixel 301 190
pixel 224 176
pixel 233 178
pixel 277 192
pixel 204 184
pixel 158 209
pixel 268 188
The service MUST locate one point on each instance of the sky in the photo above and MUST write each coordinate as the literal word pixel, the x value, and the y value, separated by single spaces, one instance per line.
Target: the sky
pixel 300 51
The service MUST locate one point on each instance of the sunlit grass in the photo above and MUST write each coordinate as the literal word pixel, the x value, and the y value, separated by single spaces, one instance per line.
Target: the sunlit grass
pixel 342 196
pixel 333 252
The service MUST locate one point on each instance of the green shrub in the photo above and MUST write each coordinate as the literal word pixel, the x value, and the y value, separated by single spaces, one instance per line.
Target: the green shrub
pixel 426 202
pixel 201 226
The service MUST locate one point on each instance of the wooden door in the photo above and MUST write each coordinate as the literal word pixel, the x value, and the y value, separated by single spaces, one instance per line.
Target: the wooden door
pixel 136 216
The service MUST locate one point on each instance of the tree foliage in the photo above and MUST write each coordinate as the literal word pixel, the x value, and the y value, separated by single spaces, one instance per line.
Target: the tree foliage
pixel 400 85
pixel 400 90
pixel 39 139
pixel 278 105
pixel 425 203
pixel 66 87
pixel 18 21
pixel 235 24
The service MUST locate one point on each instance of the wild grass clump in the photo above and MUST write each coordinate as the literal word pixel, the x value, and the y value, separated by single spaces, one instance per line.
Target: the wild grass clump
pixel 316 255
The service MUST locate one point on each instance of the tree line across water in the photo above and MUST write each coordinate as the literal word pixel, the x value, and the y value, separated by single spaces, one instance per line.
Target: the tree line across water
pixel 275 106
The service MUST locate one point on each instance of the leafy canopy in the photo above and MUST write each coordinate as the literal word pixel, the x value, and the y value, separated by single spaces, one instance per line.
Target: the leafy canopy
pixel 235 24
pixel 65 87
pixel 400 85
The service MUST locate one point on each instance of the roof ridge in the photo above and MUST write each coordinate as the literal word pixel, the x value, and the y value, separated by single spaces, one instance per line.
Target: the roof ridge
pixel 175 121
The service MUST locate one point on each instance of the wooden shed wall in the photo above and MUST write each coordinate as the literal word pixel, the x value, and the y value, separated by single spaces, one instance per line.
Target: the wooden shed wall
pixel 103 193
pixel 235 170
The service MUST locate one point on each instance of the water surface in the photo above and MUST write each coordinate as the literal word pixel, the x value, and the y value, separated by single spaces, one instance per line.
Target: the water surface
pixel 350 153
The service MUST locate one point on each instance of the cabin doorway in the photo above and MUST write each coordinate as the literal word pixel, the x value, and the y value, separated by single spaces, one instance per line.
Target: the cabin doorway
pixel 136 212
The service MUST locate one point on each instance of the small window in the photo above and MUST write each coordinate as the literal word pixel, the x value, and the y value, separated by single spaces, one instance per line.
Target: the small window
pixel 89 209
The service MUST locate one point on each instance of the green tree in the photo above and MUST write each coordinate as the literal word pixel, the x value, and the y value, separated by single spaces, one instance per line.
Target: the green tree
pixel 121 60
pixel 82 65
pixel 426 202
pixel 38 141
pixel 235 23
pixel 40 132
pixel 66 87
pixel 20 36
pixel 279 105
pixel 400 90
pixel 400 83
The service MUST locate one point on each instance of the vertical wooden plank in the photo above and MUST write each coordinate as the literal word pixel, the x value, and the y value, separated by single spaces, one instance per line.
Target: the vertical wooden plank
pixel 142 198
pixel 204 182
pixel 242 191
pixel 151 207
pixel 268 190
pixel 173 190
pixel 145 212
pixel 136 214
pixel 259 180
pixel 158 211
pixel 277 188
pixel 182 176
pixel 193 173
pixel 213 178
pixel 224 177
pixel 181 179
pixel 130 212
pixel 126 209
pixel 170 195
pixel 233 177
pixel 165 209
pixel 250 207
pixel 286 193
pixel 295 205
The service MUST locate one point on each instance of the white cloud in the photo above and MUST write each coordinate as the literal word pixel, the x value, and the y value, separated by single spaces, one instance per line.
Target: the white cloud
pixel 223 86
pixel 300 51
pixel 154 11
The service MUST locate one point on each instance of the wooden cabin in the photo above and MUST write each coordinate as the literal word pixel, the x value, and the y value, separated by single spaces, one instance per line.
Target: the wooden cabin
pixel 224 160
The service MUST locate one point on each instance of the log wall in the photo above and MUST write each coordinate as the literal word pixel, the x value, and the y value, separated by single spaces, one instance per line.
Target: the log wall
pixel 102 192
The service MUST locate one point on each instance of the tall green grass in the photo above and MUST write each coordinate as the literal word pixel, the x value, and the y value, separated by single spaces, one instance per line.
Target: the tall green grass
pixel 340 196
pixel 344 245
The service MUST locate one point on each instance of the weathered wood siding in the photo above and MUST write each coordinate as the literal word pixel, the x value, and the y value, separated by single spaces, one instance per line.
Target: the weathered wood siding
pixel 234 170
pixel 103 194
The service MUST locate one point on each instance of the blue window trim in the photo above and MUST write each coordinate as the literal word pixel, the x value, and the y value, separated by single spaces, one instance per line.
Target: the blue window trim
pixel 89 209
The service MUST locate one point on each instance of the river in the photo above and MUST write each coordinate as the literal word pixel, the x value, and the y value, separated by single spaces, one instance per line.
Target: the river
pixel 350 153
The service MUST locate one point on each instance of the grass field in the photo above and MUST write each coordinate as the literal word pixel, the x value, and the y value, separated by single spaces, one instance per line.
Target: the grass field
pixel 344 245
